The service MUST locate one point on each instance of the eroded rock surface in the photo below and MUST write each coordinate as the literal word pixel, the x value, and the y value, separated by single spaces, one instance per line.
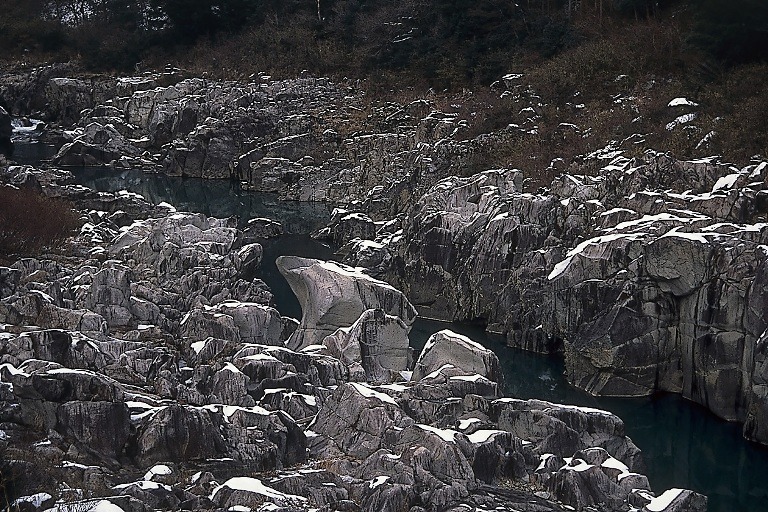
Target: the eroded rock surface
pixel 144 372
pixel 650 276
pixel 333 296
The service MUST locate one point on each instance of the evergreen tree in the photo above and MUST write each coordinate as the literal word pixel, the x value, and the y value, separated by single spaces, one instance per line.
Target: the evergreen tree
pixel 735 31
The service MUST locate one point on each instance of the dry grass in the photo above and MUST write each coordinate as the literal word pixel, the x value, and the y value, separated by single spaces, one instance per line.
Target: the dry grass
pixel 31 222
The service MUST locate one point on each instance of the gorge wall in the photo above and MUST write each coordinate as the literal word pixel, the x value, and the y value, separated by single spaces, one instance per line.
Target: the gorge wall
pixel 649 275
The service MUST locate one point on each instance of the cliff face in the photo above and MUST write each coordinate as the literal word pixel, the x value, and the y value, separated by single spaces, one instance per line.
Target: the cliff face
pixel 650 277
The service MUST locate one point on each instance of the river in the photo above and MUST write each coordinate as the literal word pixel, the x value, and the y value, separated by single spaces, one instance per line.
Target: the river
pixel 683 444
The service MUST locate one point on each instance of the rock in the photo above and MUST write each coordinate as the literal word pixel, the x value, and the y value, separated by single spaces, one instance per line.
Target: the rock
pixel 440 452
pixel 252 493
pixel 321 487
pixel 151 494
pixel 471 358
pixel 64 385
pixel 68 97
pixel 376 341
pixel 261 228
pixel 198 325
pixel 196 375
pixel 100 426
pixel 9 280
pixel 356 419
pixel 352 292
pixel 180 434
pixel 563 430
pixel 345 225
pixel 675 500
pixel 96 144
pixel 6 129
pixel 230 386
pixel 636 266
pixel 256 323
pixel 501 456
pixel 110 295
pixel 449 381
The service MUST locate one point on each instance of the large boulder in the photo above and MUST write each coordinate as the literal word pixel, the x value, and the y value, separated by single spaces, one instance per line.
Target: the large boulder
pixel 334 295
pixel 563 430
pixel 449 348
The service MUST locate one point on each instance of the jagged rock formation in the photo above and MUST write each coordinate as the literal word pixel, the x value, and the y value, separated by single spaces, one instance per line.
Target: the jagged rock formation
pixel 334 296
pixel 650 276
pixel 175 390
pixel 303 138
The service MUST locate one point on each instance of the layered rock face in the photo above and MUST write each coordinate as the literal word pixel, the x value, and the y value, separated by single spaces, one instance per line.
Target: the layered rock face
pixel 649 276
pixel 141 372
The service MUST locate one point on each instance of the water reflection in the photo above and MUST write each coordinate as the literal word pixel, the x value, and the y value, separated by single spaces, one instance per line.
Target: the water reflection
pixel 216 198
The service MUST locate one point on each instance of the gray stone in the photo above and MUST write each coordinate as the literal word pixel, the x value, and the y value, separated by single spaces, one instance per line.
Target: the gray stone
pixel 376 341
pixel 356 419
pixel 352 292
pixel 180 434
pixel 100 426
pixel 447 347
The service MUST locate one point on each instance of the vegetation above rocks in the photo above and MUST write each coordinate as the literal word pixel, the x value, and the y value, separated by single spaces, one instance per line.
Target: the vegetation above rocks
pixel 584 79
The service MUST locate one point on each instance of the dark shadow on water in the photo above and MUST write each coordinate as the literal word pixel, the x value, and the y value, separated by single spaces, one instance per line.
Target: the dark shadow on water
pixel 216 198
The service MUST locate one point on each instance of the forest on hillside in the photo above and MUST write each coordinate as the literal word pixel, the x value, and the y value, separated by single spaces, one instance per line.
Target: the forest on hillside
pixel 452 42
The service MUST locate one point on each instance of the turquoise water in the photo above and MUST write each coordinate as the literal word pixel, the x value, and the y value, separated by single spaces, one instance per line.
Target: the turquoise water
pixel 683 444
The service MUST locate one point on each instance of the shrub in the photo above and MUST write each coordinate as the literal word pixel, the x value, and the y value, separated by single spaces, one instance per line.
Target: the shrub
pixel 31 222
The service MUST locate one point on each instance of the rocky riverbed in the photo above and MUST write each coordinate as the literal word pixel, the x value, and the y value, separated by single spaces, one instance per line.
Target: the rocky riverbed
pixel 140 371
pixel 648 275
